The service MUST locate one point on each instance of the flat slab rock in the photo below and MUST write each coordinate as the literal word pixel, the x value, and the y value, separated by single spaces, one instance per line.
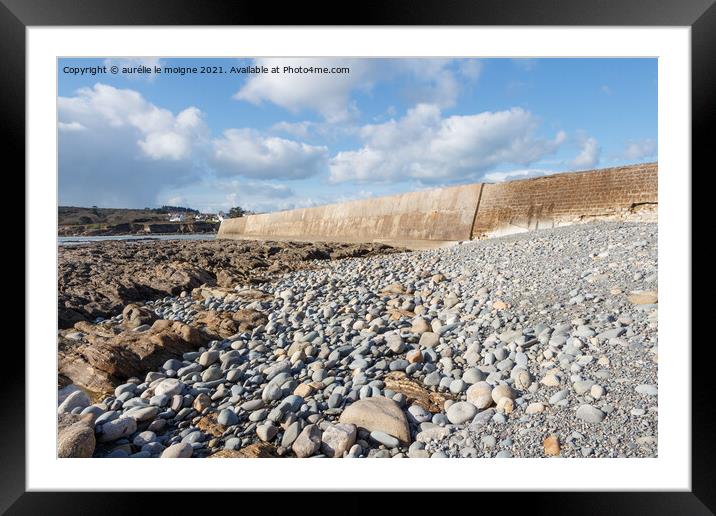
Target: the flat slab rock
pixel 106 359
pixel 415 392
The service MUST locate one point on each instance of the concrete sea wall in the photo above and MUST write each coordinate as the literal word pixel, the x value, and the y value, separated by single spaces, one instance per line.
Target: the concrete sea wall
pixel 443 214
pixel 627 193
pixel 432 217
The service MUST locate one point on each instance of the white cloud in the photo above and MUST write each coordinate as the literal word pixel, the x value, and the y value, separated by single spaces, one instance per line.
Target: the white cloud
pixel 589 153
pixel 500 177
pixel 639 149
pixel 424 145
pixel 71 126
pixel 211 195
pixel 119 150
pixel 328 94
pixel 262 197
pixel 246 152
pixel 606 90
pixel 161 135
pixel 297 129
pixel 433 81
pixel 471 68
pixel 266 189
pixel 130 149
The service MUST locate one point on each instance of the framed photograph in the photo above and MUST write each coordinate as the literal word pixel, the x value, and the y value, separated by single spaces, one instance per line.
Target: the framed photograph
pixel 454 233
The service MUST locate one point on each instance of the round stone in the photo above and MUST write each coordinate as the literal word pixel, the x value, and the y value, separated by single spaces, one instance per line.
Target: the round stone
pixel 480 395
pixel 460 412
pixel 522 378
pixel 502 391
pixel 227 418
pixel 178 451
pixel 473 375
pixel 143 438
pixel 590 414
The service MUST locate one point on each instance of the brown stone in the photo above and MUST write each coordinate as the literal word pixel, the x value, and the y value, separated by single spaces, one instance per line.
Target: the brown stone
pixel 414 356
pixel 304 390
pixel 253 294
pixel 415 392
pixel 135 315
pixel 211 291
pixel 396 314
pixel 253 451
pixel 201 402
pixel 75 436
pixel 551 446
pixel 209 425
pixel 505 405
pixel 644 297
pixel 394 288
pixel 225 278
pixel 499 305
pixel 225 324
pixel 534 408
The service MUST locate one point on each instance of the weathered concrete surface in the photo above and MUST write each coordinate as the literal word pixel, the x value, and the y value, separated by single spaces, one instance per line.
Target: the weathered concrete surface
pixel 443 216
pixel 626 193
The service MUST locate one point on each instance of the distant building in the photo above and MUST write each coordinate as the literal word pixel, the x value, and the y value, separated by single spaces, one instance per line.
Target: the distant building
pixel 176 217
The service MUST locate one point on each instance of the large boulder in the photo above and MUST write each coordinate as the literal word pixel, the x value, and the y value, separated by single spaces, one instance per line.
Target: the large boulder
pixel 75 435
pixel 378 414
pixel 107 357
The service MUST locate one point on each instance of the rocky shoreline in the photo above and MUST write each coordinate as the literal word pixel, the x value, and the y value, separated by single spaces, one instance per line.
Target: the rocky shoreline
pixel 137 228
pixel 99 279
pixel 534 345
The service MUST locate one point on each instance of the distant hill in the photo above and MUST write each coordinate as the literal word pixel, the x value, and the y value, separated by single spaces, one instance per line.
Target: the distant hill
pixel 72 215
pixel 73 220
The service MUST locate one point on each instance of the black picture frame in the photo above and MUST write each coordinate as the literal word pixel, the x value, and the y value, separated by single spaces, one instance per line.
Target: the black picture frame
pixel 700 15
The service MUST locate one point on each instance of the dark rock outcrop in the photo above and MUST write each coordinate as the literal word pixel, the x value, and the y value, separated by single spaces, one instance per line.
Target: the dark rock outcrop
pixel 107 356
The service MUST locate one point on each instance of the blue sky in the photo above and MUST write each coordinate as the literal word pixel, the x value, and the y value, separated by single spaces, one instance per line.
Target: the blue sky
pixel 275 141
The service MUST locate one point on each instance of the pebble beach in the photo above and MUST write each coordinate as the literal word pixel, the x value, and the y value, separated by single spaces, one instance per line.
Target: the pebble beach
pixel 540 344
